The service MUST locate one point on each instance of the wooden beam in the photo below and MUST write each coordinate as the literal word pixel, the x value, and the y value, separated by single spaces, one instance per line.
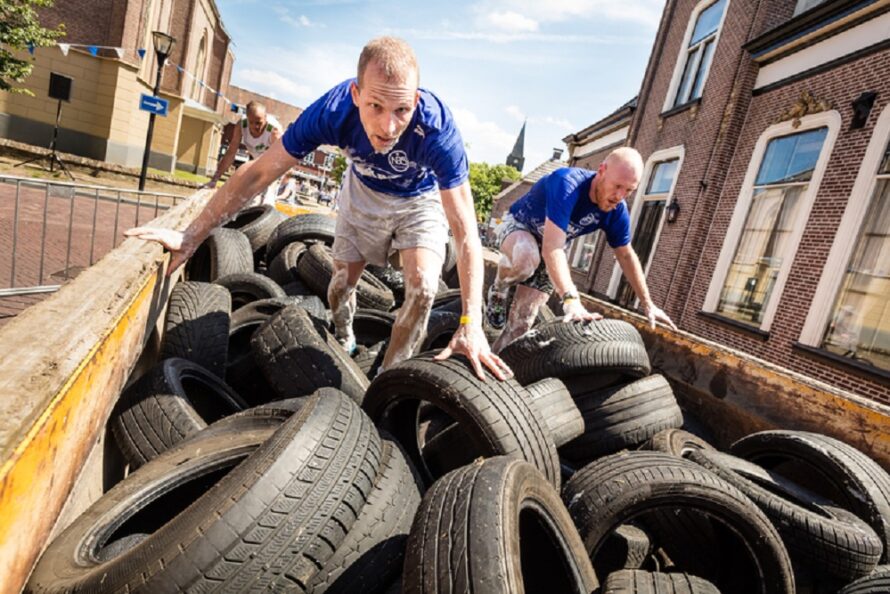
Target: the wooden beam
pixel 63 364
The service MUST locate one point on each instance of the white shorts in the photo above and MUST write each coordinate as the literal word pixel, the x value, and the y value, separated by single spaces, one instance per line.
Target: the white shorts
pixel 370 224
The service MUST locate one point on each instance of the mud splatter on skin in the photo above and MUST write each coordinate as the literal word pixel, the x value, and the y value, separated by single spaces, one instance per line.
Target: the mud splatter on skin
pixel 411 322
pixel 341 297
pixel 522 316
pixel 525 259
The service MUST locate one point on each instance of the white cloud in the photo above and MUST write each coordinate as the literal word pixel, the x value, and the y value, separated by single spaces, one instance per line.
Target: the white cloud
pixel 646 12
pixel 515 112
pixel 299 22
pixel 504 37
pixel 487 141
pixel 298 77
pixel 267 82
pixel 560 123
pixel 510 22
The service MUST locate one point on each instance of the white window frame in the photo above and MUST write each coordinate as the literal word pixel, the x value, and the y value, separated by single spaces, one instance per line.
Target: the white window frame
pixel 680 64
pixel 668 154
pixel 845 238
pixel 576 247
pixel 829 119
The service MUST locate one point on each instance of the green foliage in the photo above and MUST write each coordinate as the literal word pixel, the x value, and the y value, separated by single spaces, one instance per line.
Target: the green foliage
pixel 485 182
pixel 338 169
pixel 19 28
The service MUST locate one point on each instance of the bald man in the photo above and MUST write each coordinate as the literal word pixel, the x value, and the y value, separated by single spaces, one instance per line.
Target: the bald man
pixel 561 206
pixel 257 131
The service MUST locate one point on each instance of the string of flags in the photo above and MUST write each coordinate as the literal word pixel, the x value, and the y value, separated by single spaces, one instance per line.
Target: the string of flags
pixel 119 51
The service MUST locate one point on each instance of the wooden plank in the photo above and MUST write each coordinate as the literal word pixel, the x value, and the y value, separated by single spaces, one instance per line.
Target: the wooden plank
pixel 736 394
pixel 62 366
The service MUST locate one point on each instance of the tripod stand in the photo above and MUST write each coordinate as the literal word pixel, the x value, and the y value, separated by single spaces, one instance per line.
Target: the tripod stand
pixel 52 156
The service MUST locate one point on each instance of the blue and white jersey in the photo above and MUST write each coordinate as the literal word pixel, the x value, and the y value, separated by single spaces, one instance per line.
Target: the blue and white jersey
pixel 564 197
pixel 429 152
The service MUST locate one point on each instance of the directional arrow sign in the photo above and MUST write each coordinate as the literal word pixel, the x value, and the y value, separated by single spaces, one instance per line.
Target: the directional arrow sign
pixel 153 104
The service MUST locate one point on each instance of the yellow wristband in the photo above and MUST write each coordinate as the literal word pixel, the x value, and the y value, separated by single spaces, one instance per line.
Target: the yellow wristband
pixel 465 320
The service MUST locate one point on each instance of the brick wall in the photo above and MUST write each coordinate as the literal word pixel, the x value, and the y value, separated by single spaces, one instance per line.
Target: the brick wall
pixel 840 86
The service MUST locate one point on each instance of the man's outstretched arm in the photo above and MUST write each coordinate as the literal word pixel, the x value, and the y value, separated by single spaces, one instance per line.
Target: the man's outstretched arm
pixel 469 339
pixel 245 183
pixel 633 271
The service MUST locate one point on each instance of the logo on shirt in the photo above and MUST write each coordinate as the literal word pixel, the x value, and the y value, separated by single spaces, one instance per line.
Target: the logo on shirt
pixel 589 219
pixel 419 131
pixel 398 160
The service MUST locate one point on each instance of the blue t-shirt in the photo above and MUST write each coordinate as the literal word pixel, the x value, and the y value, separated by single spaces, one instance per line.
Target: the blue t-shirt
pixel 564 197
pixel 430 150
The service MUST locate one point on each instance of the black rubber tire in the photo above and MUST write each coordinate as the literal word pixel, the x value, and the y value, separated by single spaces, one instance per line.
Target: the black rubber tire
pixel 602 353
pixel 257 223
pixel 283 269
pixel 554 402
pixel 450 261
pixel 440 327
pixel 827 539
pixel 448 300
pixel 316 268
pixel 635 581
pixel 392 278
pixel 242 371
pixel 197 325
pixel 676 442
pixel 306 227
pixel 371 555
pixel 490 418
pixel 828 467
pixel 225 251
pixel 877 582
pixel 370 358
pixel 371 326
pixel 171 401
pixel 247 508
pixel 298 289
pixel 626 547
pixel 249 287
pixel 298 355
pixel 495 526
pixel 619 488
pixel 622 417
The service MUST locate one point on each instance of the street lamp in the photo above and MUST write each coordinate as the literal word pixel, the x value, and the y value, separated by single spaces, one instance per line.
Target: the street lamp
pixel 163 45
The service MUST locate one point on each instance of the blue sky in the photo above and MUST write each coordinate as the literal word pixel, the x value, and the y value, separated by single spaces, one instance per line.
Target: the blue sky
pixel 562 64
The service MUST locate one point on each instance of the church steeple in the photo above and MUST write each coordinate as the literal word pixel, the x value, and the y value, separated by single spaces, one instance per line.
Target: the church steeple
pixel 516 159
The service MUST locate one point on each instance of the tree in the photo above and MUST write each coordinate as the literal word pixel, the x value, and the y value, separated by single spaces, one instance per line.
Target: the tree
pixel 486 183
pixel 338 169
pixel 20 30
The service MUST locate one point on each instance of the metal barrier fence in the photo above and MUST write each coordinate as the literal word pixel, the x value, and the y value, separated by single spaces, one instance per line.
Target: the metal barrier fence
pixel 50 230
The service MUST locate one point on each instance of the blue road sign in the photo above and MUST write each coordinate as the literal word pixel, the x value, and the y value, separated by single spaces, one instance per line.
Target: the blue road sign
pixel 153 104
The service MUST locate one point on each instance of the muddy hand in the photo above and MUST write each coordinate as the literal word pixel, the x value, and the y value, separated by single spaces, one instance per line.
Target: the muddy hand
pixel 470 341
pixel 573 310
pixel 655 313
pixel 173 240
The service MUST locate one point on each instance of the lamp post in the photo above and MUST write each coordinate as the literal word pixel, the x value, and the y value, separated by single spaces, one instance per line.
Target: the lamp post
pixel 163 45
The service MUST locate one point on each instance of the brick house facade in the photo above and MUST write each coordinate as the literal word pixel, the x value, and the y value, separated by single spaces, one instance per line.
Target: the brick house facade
pixel 768 123
pixel 102 120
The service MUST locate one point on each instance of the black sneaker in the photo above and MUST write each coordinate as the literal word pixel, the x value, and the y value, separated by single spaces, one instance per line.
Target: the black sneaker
pixel 496 307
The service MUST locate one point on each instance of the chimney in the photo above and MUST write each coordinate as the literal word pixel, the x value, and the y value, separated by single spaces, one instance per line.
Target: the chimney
pixel 557 154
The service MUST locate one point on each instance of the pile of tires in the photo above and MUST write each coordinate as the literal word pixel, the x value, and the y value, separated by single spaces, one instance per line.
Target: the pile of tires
pixel 261 456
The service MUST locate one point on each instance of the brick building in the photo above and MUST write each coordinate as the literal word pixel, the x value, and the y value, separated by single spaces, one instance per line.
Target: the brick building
pixel 102 120
pixel 766 123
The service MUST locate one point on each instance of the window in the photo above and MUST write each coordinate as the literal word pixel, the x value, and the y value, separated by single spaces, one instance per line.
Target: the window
pixel 649 221
pixel 309 159
pixel 767 238
pixel 805 5
pixel 582 250
pixel 197 90
pixel 328 161
pixel 698 53
pixel 859 326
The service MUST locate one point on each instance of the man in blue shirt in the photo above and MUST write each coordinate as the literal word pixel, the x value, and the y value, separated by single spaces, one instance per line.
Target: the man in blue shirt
pixel 407 183
pixel 533 235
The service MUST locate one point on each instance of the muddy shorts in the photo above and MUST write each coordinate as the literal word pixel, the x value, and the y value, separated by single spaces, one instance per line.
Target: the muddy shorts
pixel 539 279
pixel 370 224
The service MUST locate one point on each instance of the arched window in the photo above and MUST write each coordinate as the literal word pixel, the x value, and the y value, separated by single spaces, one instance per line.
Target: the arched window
pixel 196 93
pixel 695 57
